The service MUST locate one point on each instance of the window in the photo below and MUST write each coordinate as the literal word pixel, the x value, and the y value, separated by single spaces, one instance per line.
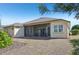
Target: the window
pixel 58 28
pixel 55 28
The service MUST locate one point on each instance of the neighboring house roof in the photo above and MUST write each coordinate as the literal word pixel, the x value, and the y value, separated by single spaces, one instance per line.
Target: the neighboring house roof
pixel 43 19
pixel 15 25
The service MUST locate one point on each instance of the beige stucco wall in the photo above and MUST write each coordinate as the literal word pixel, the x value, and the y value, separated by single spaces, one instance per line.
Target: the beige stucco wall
pixel 19 32
pixel 66 29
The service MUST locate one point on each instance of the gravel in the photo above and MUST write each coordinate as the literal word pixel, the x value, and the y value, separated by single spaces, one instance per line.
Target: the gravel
pixel 38 47
pixel 16 45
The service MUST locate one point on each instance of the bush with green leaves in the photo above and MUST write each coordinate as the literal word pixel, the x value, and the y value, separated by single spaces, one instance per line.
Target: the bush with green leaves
pixel 75 44
pixel 75 32
pixel 5 39
pixel 75 27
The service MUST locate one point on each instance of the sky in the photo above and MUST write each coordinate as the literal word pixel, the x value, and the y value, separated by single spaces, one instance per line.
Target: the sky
pixel 22 12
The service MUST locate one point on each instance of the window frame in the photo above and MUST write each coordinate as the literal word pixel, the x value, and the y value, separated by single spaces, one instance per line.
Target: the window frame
pixel 55 28
pixel 58 28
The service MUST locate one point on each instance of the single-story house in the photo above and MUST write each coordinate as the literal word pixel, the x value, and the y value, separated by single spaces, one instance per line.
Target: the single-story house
pixel 41 27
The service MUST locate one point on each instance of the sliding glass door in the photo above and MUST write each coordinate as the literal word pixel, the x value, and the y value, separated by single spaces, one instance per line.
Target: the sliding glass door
pixel 43 32
pixel 37 31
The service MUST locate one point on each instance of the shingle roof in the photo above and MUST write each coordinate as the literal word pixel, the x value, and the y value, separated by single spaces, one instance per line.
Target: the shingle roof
pixel 15 24
pixel 43 19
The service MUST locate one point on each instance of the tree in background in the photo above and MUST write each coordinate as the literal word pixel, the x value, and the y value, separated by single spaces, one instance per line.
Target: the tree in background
pixel 75 30
pixel 60 7
pixel 75 27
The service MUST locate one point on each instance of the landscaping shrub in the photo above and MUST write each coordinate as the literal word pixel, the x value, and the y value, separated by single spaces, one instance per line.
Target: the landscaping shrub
pixel 75 44
pixel 75 51
pixel 5 39
pixel 75 27
pixel 75 32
